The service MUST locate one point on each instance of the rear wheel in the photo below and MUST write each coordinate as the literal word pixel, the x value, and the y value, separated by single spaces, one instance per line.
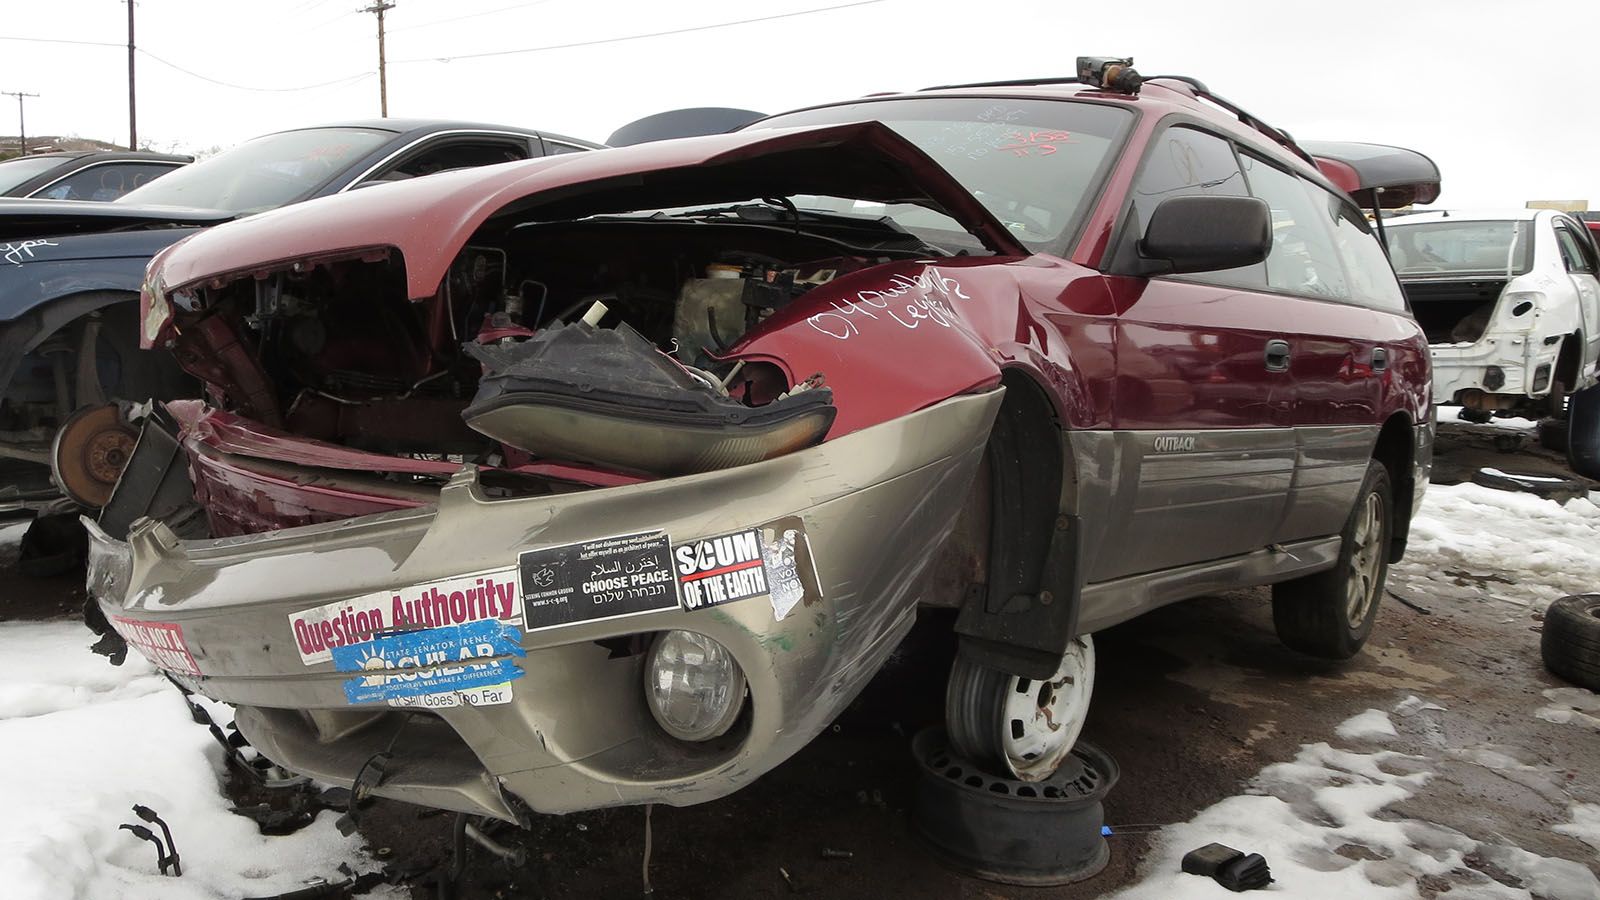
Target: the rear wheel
pixel 1583 432
pixel 1330 614
pixel 1018 726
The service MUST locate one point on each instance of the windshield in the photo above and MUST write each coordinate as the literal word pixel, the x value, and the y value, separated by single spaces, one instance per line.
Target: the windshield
pixel 264 173
pixel 1035 164
pixel 1447 247
pixel 15 171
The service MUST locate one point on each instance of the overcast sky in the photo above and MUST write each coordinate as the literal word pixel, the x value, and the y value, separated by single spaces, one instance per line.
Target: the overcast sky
pixel 1503 95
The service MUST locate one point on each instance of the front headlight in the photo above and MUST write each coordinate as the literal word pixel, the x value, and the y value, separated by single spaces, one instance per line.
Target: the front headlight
pixel 694 687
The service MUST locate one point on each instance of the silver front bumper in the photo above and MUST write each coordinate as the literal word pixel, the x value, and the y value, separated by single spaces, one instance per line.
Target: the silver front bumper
pixel 872 508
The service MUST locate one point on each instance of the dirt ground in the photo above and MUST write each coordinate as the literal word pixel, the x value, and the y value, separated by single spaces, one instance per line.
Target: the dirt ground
pixel 1192 701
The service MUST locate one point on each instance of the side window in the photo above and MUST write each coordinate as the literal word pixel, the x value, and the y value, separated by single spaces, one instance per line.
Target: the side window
pixel 1372 279
pixel 455 153
pixel 553 148
pixel 1182 162
pixel 107 182
pixel 1303 259
pixel 1572 251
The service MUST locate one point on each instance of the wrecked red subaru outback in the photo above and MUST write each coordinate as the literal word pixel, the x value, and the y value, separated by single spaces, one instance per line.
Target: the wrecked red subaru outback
pixel 611 478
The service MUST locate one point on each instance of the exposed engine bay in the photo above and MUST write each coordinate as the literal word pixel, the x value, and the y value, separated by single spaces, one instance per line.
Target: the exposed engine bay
pixel 600 344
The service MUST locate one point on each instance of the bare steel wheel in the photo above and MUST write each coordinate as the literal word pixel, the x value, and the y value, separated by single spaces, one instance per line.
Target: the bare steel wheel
pixel 89 453
pixel 1018 726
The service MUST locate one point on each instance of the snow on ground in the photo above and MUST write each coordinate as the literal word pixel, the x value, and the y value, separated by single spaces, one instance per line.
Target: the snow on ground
pixel 1510 423
pixel 1540 549
pixel 1325 825
pixel 1326 822
pixel 1373 724
pixel 82 741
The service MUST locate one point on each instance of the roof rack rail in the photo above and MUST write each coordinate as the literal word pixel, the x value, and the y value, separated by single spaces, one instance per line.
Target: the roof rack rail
pixel 1009 82
pixel 1199 89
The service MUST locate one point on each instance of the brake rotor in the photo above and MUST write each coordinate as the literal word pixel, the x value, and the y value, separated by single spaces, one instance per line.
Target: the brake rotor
pixel 89 453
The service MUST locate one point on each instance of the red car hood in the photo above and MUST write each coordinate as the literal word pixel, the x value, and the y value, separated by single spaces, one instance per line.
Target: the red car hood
pixel 430 219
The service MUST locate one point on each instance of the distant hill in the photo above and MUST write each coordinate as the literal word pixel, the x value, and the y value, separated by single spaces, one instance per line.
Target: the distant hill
pixel 10 146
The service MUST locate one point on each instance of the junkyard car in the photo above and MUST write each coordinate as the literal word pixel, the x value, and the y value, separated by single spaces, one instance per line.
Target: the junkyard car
pixel 99 175
pixel 611 478
pixel 70 274
pixel 1510 304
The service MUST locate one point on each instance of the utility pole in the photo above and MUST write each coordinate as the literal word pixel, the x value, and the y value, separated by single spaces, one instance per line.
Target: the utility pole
pixel 22 125
pixel 380 7
pixel 133 118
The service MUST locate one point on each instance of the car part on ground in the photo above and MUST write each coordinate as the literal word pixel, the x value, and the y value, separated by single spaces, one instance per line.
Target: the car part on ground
pixel 1549 487
pixel 1034 833
pixel 1017 726
pixel 1233 869
pixel 1330 614
pixel 1570 644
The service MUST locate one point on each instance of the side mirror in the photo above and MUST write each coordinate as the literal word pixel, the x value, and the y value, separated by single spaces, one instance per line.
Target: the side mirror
pixel 1205 234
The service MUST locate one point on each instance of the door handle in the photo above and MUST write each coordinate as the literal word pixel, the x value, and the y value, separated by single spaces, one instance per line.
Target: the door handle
pixel 1277 356
pixel 1380 359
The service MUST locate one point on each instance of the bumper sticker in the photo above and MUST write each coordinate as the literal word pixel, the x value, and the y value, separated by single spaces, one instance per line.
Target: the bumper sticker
pixel 601 579
pixel 414 668
pixel 745 564
pixel 160 642
pixel 721 569
pixel 484 596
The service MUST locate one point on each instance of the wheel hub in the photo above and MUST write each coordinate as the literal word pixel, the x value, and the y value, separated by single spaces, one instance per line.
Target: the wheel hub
pixel 89 453
pixel 1365 560
pixel 1020 726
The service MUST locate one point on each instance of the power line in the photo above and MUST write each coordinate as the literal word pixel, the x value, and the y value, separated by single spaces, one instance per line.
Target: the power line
pixel 348 79
pixel 34 40
pixel 635 37
pixel 487 12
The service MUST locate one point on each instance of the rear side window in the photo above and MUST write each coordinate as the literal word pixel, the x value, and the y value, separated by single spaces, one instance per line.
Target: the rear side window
pixel 1184 162
pixel 1372 279
pixel 1572 251
pixel 1303 259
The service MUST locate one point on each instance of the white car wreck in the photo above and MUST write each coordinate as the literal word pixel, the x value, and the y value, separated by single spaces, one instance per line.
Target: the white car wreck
pixel 1510 304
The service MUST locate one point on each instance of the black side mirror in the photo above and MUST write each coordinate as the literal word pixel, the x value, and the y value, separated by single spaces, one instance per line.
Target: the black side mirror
pixel 1205 234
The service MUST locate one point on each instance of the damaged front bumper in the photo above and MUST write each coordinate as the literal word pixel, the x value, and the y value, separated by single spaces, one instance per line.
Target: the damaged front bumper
pixel 323 636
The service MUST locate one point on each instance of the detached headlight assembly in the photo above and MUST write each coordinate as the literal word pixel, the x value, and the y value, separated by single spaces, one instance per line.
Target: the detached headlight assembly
pixel 693 686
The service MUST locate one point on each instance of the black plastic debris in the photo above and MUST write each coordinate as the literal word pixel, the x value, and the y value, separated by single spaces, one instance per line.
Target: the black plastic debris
pixel 166 853
pixel 1233 869
pixel 607 396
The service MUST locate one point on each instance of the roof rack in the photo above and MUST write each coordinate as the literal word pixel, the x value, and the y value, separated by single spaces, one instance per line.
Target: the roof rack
pixel 1198 88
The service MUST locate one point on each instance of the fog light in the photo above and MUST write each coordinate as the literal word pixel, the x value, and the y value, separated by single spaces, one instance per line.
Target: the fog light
pixel 694 687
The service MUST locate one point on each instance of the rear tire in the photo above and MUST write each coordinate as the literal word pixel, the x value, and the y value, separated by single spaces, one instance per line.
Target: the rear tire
pixel 1330 614
pixel 1583 432
pixel 1570 643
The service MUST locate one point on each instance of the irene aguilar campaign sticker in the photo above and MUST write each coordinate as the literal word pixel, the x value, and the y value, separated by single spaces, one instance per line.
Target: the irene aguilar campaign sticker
pixel 160 642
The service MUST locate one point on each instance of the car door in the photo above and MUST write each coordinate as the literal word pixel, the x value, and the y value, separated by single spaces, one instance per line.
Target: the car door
pixel 1328 271
pixel 1205 389
pixel 1578 257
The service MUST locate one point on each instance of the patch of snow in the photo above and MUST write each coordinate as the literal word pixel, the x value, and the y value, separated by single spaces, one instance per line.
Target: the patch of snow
pixel 82 741
pixel 1585 825
pixel 1544 549
pixel 1370 725
pixel 1325 824
pixel 1571 706
pixel 1518 476
pixel 1413 705
pixel 1508 423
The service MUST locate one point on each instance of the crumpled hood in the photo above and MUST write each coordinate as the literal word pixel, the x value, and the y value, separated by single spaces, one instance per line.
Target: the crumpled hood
pixel 428 220
pixel 32 219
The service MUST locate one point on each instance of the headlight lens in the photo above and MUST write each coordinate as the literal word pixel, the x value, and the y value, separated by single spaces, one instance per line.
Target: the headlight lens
pixel 694 687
